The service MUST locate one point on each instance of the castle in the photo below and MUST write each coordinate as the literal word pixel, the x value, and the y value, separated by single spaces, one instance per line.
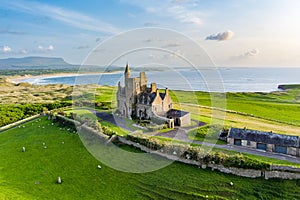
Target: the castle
pixel 135 99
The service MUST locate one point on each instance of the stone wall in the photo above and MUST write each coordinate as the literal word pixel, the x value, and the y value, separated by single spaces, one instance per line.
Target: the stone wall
pixel 282 172
pixel 230 141
pixel 250 173
pixel 292 151
pixel 270 147
pixel 253 145
pixel 185 120
pixel 9 126
pixel 281 175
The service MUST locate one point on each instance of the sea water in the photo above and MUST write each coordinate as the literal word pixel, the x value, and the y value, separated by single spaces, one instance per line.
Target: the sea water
pixel 222 79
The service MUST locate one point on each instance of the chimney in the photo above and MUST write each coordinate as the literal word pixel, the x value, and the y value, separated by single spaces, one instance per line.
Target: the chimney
pixel 153 87
pixel 166 92
pixel 157 92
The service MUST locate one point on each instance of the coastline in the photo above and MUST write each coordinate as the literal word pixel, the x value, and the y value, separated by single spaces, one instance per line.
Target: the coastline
pixel 18 79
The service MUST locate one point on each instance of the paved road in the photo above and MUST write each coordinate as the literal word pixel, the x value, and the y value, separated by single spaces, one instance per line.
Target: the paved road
pixel 181 134
pixel 113 119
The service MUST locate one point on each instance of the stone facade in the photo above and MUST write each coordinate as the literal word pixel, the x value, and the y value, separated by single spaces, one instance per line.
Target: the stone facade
pixel 135 99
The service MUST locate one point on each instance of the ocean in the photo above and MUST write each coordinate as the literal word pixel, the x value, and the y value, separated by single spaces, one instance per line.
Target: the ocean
pixel 222 79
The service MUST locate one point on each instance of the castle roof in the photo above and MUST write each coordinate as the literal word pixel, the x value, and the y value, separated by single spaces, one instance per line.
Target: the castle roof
pixel 264 137
pixel 176 113
pixel 145 96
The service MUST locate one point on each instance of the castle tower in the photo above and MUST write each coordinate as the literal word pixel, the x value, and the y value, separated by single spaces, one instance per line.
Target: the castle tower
pixel 143 81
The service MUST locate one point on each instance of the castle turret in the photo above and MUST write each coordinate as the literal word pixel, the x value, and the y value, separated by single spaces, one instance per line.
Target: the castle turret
pixel 127 71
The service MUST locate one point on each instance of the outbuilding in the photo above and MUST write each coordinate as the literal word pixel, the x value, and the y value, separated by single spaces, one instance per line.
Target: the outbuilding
pixel 181 118
pixel 267 141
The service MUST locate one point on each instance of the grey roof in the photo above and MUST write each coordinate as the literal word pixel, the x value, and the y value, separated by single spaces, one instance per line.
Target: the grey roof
pixel 162 95
pixel 176 113
pixel 264 137
pixel 146 95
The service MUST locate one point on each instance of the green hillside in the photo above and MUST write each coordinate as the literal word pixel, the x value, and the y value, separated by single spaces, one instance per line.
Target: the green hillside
pixel 33 174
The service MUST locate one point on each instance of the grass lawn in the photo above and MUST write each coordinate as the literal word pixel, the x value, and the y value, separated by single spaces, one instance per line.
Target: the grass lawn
pixel 278 106
pixel 237 120
pixel 33 174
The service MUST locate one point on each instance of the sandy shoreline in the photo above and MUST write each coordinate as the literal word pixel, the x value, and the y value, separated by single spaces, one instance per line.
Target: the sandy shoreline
pixel 18 79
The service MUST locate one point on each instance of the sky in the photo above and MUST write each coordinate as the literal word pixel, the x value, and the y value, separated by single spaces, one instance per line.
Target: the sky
pixel 241 33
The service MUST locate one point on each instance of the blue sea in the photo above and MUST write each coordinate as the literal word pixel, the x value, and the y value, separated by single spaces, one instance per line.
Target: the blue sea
pixel 222 79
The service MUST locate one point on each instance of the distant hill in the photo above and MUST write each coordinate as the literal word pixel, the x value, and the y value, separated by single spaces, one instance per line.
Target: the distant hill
pixel 49 65
pixel 45 65
pixel 32 62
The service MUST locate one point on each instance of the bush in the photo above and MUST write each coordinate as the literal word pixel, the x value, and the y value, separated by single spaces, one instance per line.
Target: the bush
pixel 107 131
pixel 13 113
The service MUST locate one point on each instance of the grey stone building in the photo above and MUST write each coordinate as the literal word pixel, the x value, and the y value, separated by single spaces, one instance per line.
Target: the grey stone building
pixel 135 99
pixel 267 141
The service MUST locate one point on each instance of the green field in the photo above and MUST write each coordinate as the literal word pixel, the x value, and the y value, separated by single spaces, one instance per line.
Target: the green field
pixel 280 106
pixel 33 174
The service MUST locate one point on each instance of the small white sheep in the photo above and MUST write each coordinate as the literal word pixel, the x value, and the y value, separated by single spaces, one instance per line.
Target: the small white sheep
pixel 99 167
pixel 23 149
pixel 59 180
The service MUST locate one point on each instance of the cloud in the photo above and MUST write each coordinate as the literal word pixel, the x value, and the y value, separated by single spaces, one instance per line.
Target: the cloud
pixel 149 40
pixel 10 32
pixel 99 39
pixel 186 14
pixel 24 51
pixel 151 56
pixel 183 11
pixel 149 24
pixel 83 47
pixel 45 49
pixel 179 1
pixel 5 49
pixel 250 53
pixel 174 55
pixel 227 35
pixel 172 45
pixel 65 16
pixel 131 15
